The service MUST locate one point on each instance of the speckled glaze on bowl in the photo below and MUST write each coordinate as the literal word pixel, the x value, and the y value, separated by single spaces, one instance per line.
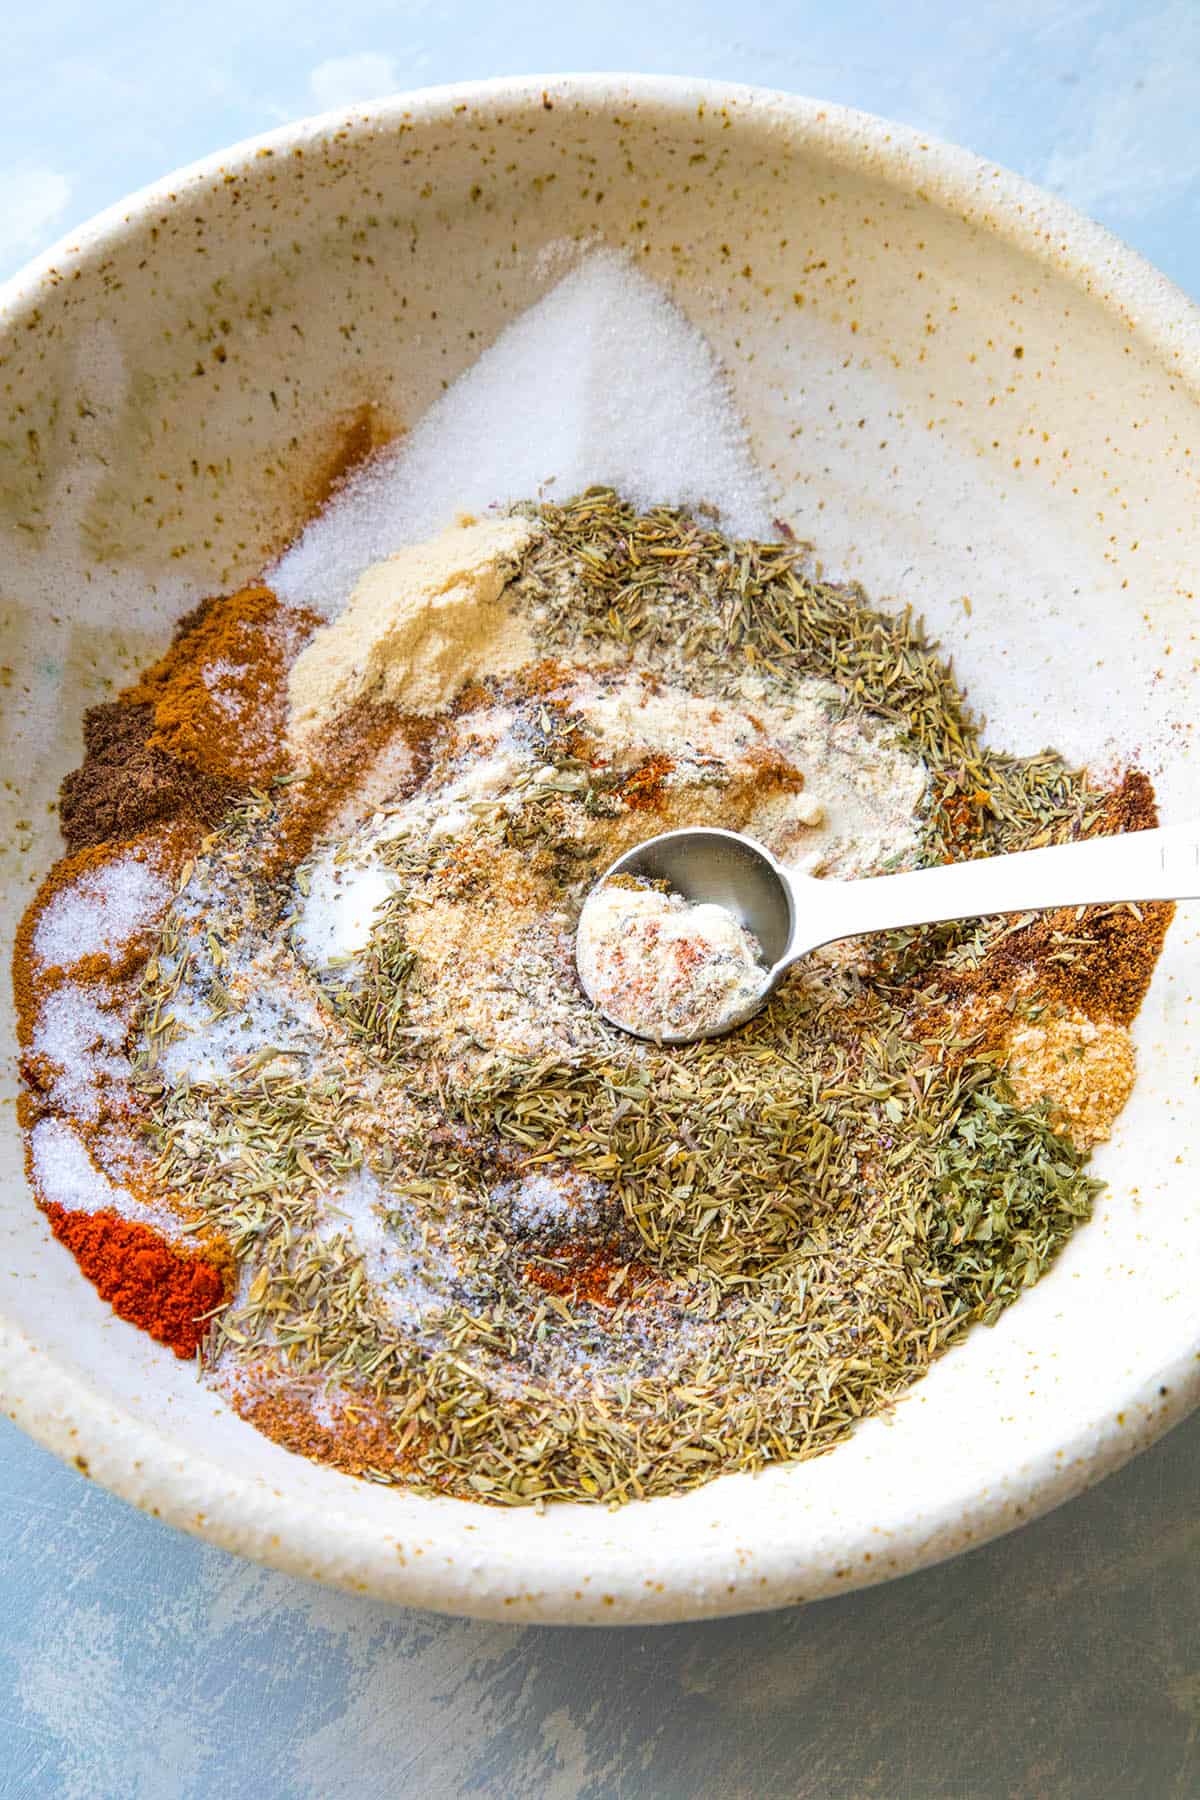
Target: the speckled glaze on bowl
pixel 964 392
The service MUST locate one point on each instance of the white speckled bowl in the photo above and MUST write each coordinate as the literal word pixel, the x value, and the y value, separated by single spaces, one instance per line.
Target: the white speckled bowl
pixel 962 389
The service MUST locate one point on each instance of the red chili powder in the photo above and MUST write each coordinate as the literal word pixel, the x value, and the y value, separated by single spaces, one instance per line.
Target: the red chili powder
pixel 143 1278
pixel 642 791
pixel 580 1272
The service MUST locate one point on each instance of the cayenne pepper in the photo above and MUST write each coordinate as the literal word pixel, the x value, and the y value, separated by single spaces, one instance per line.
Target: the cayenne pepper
pixel 579 1271
pixel 147 1282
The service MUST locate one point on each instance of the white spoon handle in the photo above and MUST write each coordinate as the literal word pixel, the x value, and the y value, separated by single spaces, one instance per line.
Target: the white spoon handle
pixel 1163 864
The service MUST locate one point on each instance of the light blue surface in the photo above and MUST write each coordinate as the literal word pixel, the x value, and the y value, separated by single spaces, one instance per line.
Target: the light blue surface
pixel 1095 99
pixel 1064 1661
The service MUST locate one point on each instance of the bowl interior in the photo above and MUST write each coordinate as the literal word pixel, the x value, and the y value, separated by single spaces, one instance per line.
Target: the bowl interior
pixel 979 408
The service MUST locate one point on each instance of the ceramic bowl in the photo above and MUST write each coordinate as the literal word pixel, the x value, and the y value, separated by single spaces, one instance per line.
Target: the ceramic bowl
pixel 967 396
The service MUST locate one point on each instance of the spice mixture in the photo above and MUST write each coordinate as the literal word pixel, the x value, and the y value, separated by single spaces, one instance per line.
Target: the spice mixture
pixel 313 1092
pixel 661 967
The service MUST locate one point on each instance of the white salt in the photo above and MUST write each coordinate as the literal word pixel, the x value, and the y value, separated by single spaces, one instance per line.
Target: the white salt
pixel 210 1050
pixel 100 912
pixel 604 380
pixel 65 1172
pixel 217 673
pixel 324 1409
pixel 409 1279
pixel 221 679
pixel 539 1200
pixel 337 915
pixel 82 1040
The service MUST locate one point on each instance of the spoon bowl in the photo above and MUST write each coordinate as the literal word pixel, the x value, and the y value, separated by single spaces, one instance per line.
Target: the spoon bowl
pixel 704 864
pixel 726 869
pixel 791 915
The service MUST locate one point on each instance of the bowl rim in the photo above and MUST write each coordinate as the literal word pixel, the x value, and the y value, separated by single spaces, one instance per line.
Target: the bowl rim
pixel 60 1408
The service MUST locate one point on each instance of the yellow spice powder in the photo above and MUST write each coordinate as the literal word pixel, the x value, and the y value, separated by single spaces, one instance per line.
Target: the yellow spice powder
pixel 416 628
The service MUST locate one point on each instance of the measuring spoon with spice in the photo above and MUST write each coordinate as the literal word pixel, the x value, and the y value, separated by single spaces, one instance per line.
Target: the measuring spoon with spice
pixel 688 934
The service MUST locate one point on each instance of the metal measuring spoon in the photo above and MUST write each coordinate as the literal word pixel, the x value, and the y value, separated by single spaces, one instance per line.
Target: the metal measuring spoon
pixel 791 915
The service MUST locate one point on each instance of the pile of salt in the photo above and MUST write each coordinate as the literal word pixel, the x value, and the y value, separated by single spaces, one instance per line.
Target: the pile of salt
pixel 603 381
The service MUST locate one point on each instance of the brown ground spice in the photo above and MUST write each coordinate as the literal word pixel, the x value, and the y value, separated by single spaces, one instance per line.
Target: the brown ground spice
pixel 358 1441
pixel 128 783
pixel 1097 960
pixel 219 695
